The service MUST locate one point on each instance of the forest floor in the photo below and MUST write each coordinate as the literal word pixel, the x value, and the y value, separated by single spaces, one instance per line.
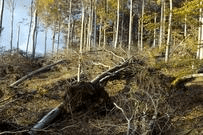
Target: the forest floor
pixel 179 110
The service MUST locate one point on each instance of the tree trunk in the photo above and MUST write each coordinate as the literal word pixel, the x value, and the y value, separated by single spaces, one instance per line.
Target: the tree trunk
pixel 141 36
pixel 34 36
pixel 161 24
pixel 154 42
pixel 30 27
pixel 200 35
pixel 100 32
pixel 69 22
pixel 45 45
pixel 12 23
pixel 2 12
pixel 169 34
pixel 82 27
pixel 117 26
pixel 95 22
pixel 53 39
pixel 59 31
pixel 18 38
pixel 130 25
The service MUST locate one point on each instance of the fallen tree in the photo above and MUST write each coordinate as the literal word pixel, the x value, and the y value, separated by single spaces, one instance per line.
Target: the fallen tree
pixel 83 91
pixel 34 73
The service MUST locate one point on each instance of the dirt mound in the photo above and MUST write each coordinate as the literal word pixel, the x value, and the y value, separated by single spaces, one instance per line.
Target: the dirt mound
pixel 84 97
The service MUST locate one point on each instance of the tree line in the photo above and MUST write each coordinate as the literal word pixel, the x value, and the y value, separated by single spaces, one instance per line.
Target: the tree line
pixel 134 25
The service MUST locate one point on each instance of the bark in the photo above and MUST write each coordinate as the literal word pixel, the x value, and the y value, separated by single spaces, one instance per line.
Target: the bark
pixel 2 12
pixel 169 34
pixel 53 39
pixel 48 118
pixel 18 38
pixel 95 22
pixel 100 33
pixel 161 24
pixel 69 22
pixel 130 25
pixel 30 27
pixel 35 72
pixel 34 36
pixel 141 36
pixel 45 45
pixel 185 79
pixel 81 31
pixel 117 26
pixel 59 31
pixel 12 23
pixel 154 42
pixel 201 35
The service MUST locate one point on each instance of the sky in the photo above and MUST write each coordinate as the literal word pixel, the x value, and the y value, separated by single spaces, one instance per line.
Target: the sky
pixel 22 21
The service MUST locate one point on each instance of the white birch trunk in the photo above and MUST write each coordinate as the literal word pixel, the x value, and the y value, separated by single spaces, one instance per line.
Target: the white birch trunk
pixel 117 26
pixel 201 35
pixel 18 38
pixel 69 22
pixel 95 22
pixel 30 27
pixel 130 25
pixel 161 24
pixel 169 34
pixel 154 42
pixel 141 36
pixel 100 32
pixel 2 12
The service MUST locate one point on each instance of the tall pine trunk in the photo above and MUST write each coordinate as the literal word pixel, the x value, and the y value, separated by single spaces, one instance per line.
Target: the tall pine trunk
pixel 69 22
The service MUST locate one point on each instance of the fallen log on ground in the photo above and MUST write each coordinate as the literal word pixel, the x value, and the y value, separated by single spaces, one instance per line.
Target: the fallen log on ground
pixel 35 72
pixel 182 80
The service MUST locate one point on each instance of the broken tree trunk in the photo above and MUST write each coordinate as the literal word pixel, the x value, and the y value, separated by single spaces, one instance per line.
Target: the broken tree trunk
pixel 35 72
pixel 47 119
pixel 182 80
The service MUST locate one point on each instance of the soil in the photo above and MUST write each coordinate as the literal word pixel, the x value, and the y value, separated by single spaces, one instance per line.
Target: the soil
pixel 87 108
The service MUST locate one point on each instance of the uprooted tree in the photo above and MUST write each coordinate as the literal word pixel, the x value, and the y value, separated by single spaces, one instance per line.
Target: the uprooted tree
pixel 147 103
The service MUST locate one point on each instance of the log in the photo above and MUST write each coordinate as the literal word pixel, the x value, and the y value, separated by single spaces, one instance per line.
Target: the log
pixel 185 79
pixel 35 72
pixel 47 119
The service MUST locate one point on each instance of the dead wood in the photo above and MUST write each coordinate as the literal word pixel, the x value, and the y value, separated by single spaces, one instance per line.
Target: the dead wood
pixel 34 73
pixel 182 80
pixel 46 120
pixel 85 96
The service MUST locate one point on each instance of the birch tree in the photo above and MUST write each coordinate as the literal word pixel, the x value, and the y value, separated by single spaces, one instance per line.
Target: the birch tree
pixel 34 35
pixel 200 34
pixel 141 36
pixel 130 24
pixel 169 34
pixel 161 23
pixel 30 26
pixel 2 12
pixel 12 8
pixel 117 26
pixel 69 22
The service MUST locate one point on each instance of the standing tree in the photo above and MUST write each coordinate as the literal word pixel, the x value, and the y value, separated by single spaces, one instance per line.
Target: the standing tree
pixel 117 26
pixel 2 12
pixel 30 27
pixel 130 24
pixel 161 23
pixel 12 8
pixel 169 34
pixel 141 36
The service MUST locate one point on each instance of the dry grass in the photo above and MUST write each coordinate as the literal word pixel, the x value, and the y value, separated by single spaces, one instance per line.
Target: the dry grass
pixel 140 96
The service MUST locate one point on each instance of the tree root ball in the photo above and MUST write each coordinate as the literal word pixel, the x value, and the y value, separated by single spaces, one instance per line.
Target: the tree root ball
pixel 84 96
